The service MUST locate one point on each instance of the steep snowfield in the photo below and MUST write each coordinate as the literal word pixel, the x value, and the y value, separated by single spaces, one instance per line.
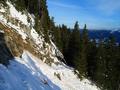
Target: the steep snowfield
pixel 30 73
pixel 23 74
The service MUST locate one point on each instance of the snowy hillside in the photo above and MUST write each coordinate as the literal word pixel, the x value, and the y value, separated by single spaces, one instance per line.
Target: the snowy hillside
pixel 37 68
pixel 30 73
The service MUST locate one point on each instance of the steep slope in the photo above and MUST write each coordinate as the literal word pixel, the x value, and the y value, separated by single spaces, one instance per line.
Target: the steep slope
pixel 34 64
pixel 30 73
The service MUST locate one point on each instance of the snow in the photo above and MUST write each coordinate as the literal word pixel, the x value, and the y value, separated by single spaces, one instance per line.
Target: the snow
pixel 2 10
pixel 22 74
pixel 9 24
pixel 17 28
pixel 1 31
pixel 15 14
pixel 30 73
pixel 38 39
pixel 20 31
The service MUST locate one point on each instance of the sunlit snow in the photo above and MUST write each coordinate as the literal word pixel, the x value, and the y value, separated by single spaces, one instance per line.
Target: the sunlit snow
pixel 30 73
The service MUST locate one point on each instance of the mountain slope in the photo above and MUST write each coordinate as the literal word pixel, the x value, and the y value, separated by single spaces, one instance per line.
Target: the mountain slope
pixel 34 64
pixel 104 34
pixel 30 73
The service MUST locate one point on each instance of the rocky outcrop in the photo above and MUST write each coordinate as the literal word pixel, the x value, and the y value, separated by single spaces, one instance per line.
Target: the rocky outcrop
pixel 5 53
pixel 21 35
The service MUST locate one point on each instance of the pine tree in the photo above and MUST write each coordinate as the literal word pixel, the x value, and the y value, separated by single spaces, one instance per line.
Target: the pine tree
pixel 112 57
pixel 57 37
pixel 65 34
pixel 101 69
pixel 91 59
pixel 83 53
pixel 45 19
pixel 73 51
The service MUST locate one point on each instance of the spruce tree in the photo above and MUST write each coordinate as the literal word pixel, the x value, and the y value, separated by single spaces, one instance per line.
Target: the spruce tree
pixel 112 57
pixel 91 59
pixel 101 69
pixel 64 38
pixel 83 53
pixel 73 51
pixel 45 19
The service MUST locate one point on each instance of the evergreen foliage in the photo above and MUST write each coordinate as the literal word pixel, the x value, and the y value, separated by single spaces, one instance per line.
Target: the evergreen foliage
pixel 73 52
pixel 83 53
pixel 98 61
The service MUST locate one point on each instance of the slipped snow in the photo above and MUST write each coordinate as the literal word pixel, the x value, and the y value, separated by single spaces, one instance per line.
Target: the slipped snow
pixel 37 38
pixel 23 74
pixel 30 73
pixel 18 15
pixel 23 18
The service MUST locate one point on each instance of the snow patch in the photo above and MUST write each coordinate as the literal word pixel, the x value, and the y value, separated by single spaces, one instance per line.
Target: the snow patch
pixel 18 15
pixel 1 31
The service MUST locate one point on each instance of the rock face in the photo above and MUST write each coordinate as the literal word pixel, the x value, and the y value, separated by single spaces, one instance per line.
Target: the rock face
pixel 20 35
pixel 5 53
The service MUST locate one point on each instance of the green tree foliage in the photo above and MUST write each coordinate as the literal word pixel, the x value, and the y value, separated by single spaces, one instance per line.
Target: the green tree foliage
pixel 83 53
pixel 73 52
pixel 45 19
pixel 101 64
pixel 97 61
pixel 57 37
pixel 91 59
pixel 76 55
pixel 107 75
pixel 111 82
pixel 65 34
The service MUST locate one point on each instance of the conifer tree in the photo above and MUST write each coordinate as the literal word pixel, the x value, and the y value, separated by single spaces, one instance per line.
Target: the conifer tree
pixel 83 53
pixel 91 59
pixel 57 37
pixel 64 38
pixel 73 51
pixel 112 57
pixel 101 69
pixel 45 19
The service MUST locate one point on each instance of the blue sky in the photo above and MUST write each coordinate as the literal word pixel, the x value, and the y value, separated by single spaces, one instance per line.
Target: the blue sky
pixel 97 14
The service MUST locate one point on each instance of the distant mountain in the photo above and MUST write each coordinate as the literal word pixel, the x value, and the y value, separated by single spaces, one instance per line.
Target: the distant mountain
pixel 102 34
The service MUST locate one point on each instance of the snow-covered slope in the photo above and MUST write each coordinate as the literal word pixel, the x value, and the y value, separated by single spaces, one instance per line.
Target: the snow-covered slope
pixel 30 73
